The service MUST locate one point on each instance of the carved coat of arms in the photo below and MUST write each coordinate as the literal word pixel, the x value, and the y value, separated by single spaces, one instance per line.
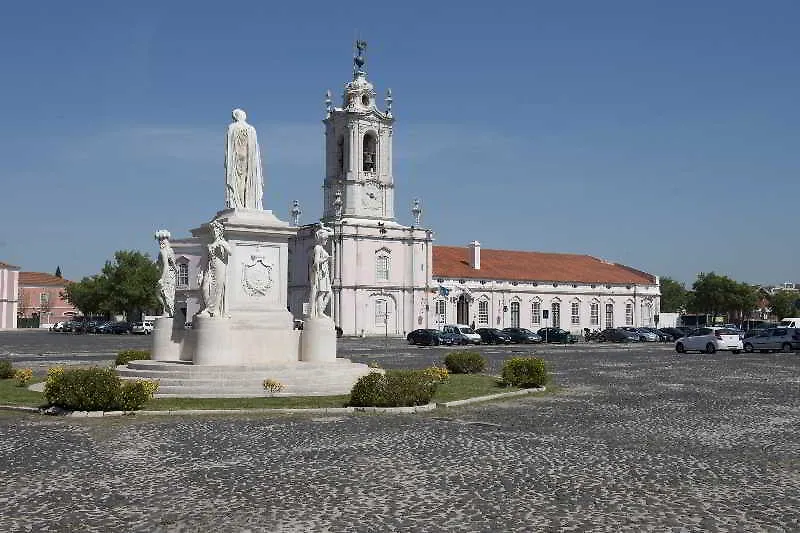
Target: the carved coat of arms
pixel 256 276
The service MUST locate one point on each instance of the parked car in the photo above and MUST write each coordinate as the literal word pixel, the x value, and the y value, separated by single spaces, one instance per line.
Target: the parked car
pixel 119 328
pixel 710 340
pixel 643 334
pixel 142 328
pixel 429 337
pixel 493 336
pixel 461 332
pixel 58 327
pixel 617 335
pixel 675 332
pixel 557 335
pixel 523 335
pixel 105 327
pixel 774 339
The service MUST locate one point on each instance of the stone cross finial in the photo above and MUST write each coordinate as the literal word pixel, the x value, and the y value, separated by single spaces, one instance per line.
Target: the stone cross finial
pixel 296 212
pixel 416 211
pixel 389 101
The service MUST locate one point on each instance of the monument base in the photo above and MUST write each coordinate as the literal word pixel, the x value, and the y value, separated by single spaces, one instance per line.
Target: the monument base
pixel 318 340
pixel 166 341
pixel 244 340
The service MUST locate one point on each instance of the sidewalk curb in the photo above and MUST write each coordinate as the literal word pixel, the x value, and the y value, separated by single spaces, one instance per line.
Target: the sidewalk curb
pixel 324 411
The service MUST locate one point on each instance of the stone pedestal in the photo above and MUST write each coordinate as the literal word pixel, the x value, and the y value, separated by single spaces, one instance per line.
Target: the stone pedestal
pixel 166 341
pixel 213 342
pixel 318 340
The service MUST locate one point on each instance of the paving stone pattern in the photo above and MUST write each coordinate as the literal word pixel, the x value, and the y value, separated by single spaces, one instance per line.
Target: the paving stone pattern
pixel 637 439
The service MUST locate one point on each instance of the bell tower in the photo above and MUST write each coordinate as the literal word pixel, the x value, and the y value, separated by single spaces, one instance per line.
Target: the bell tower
pixel 358 150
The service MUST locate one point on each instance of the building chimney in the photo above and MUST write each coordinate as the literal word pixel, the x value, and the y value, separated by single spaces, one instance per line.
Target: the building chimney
pixel 475 248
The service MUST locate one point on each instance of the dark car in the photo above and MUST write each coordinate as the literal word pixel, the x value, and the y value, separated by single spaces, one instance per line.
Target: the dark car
pixel 556 335
pixel 675 332
pixel 522 335
pixel 493 336
pixel 617 335
pixel 119 328
pixel 429 337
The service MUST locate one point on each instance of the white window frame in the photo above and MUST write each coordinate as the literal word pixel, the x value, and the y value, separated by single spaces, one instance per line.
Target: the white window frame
pixel 183 280
pixel 609 315
pixel 44 298
pixel 483 312
pixel 515 312
pixel 440 307
pixel 555 314
pixel 628 314
pixel 382 266
pixel 536 313
pixel 594 314
pixel 575 312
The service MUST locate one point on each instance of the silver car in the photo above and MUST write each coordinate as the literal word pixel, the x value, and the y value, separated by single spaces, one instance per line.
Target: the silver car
pixel 773 339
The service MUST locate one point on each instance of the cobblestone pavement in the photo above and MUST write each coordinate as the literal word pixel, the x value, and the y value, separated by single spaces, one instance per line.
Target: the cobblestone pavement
pixel 635 439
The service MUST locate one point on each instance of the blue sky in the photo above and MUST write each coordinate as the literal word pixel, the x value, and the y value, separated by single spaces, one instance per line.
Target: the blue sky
pixel 663 135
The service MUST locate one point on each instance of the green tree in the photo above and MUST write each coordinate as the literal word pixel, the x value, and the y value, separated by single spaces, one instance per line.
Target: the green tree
pixel 673 295
pixel 711 293
pixel 782 303
pixel 127 285
pixel 130 283
pixel 86 295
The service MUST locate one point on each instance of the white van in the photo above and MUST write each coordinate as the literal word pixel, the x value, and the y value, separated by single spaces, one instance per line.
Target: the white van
pixel 791 322
pixel 462 330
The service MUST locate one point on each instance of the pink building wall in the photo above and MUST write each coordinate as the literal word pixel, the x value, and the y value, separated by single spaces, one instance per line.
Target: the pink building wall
pixel 36 288
pixel 9 280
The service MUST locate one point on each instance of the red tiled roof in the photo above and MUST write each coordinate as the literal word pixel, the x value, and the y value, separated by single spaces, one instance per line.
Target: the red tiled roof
pixel 40 279
pixel 455 262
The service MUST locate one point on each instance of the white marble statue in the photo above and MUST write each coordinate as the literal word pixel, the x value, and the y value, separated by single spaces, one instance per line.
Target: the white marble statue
pixel 169 274
pixel 320 274
pixel 244 181
pixel 212 275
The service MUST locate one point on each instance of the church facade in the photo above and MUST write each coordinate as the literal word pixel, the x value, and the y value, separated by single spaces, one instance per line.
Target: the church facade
pixel 389 279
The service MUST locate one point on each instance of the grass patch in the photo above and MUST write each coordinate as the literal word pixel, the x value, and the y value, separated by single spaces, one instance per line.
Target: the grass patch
pixel 285 402
pixel 458 387
pixel 463 386
pixel 10 394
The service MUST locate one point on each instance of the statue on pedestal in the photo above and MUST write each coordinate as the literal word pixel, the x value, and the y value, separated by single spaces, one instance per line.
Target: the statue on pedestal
pixel 320 274
pixel 244 180
pixel 212 274
pixel 169 274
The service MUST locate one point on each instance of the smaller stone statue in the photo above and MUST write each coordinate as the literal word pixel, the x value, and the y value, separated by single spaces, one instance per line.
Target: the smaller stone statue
pixel 320 274
pixel 212 274
pixel 169 274
pixel 244 180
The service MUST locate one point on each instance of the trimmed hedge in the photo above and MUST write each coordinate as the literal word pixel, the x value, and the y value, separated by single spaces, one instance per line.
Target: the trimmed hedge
pixel 6 369
pixel 395 388
pixel 124 357
pixel 525 372
pixel 95 389
pixel 464 362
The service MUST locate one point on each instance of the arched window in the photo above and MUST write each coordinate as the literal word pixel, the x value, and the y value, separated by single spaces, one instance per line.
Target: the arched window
pixel 382 267
pixel 594 314
pixel 575 313
pixel 370 150
pixel 609 315
pixel 514 314
pixel 536 313
pixel 628 314
pixel 483 312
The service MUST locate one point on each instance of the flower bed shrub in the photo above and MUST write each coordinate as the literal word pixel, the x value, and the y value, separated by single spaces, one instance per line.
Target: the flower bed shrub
pixel 465 362
pixel 395 388
pixel 95 389
pixel 525 372
pixel 6 369
pixel 124 357
pixel 23 376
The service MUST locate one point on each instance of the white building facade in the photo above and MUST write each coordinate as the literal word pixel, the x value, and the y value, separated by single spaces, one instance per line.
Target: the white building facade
pixel 9 299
